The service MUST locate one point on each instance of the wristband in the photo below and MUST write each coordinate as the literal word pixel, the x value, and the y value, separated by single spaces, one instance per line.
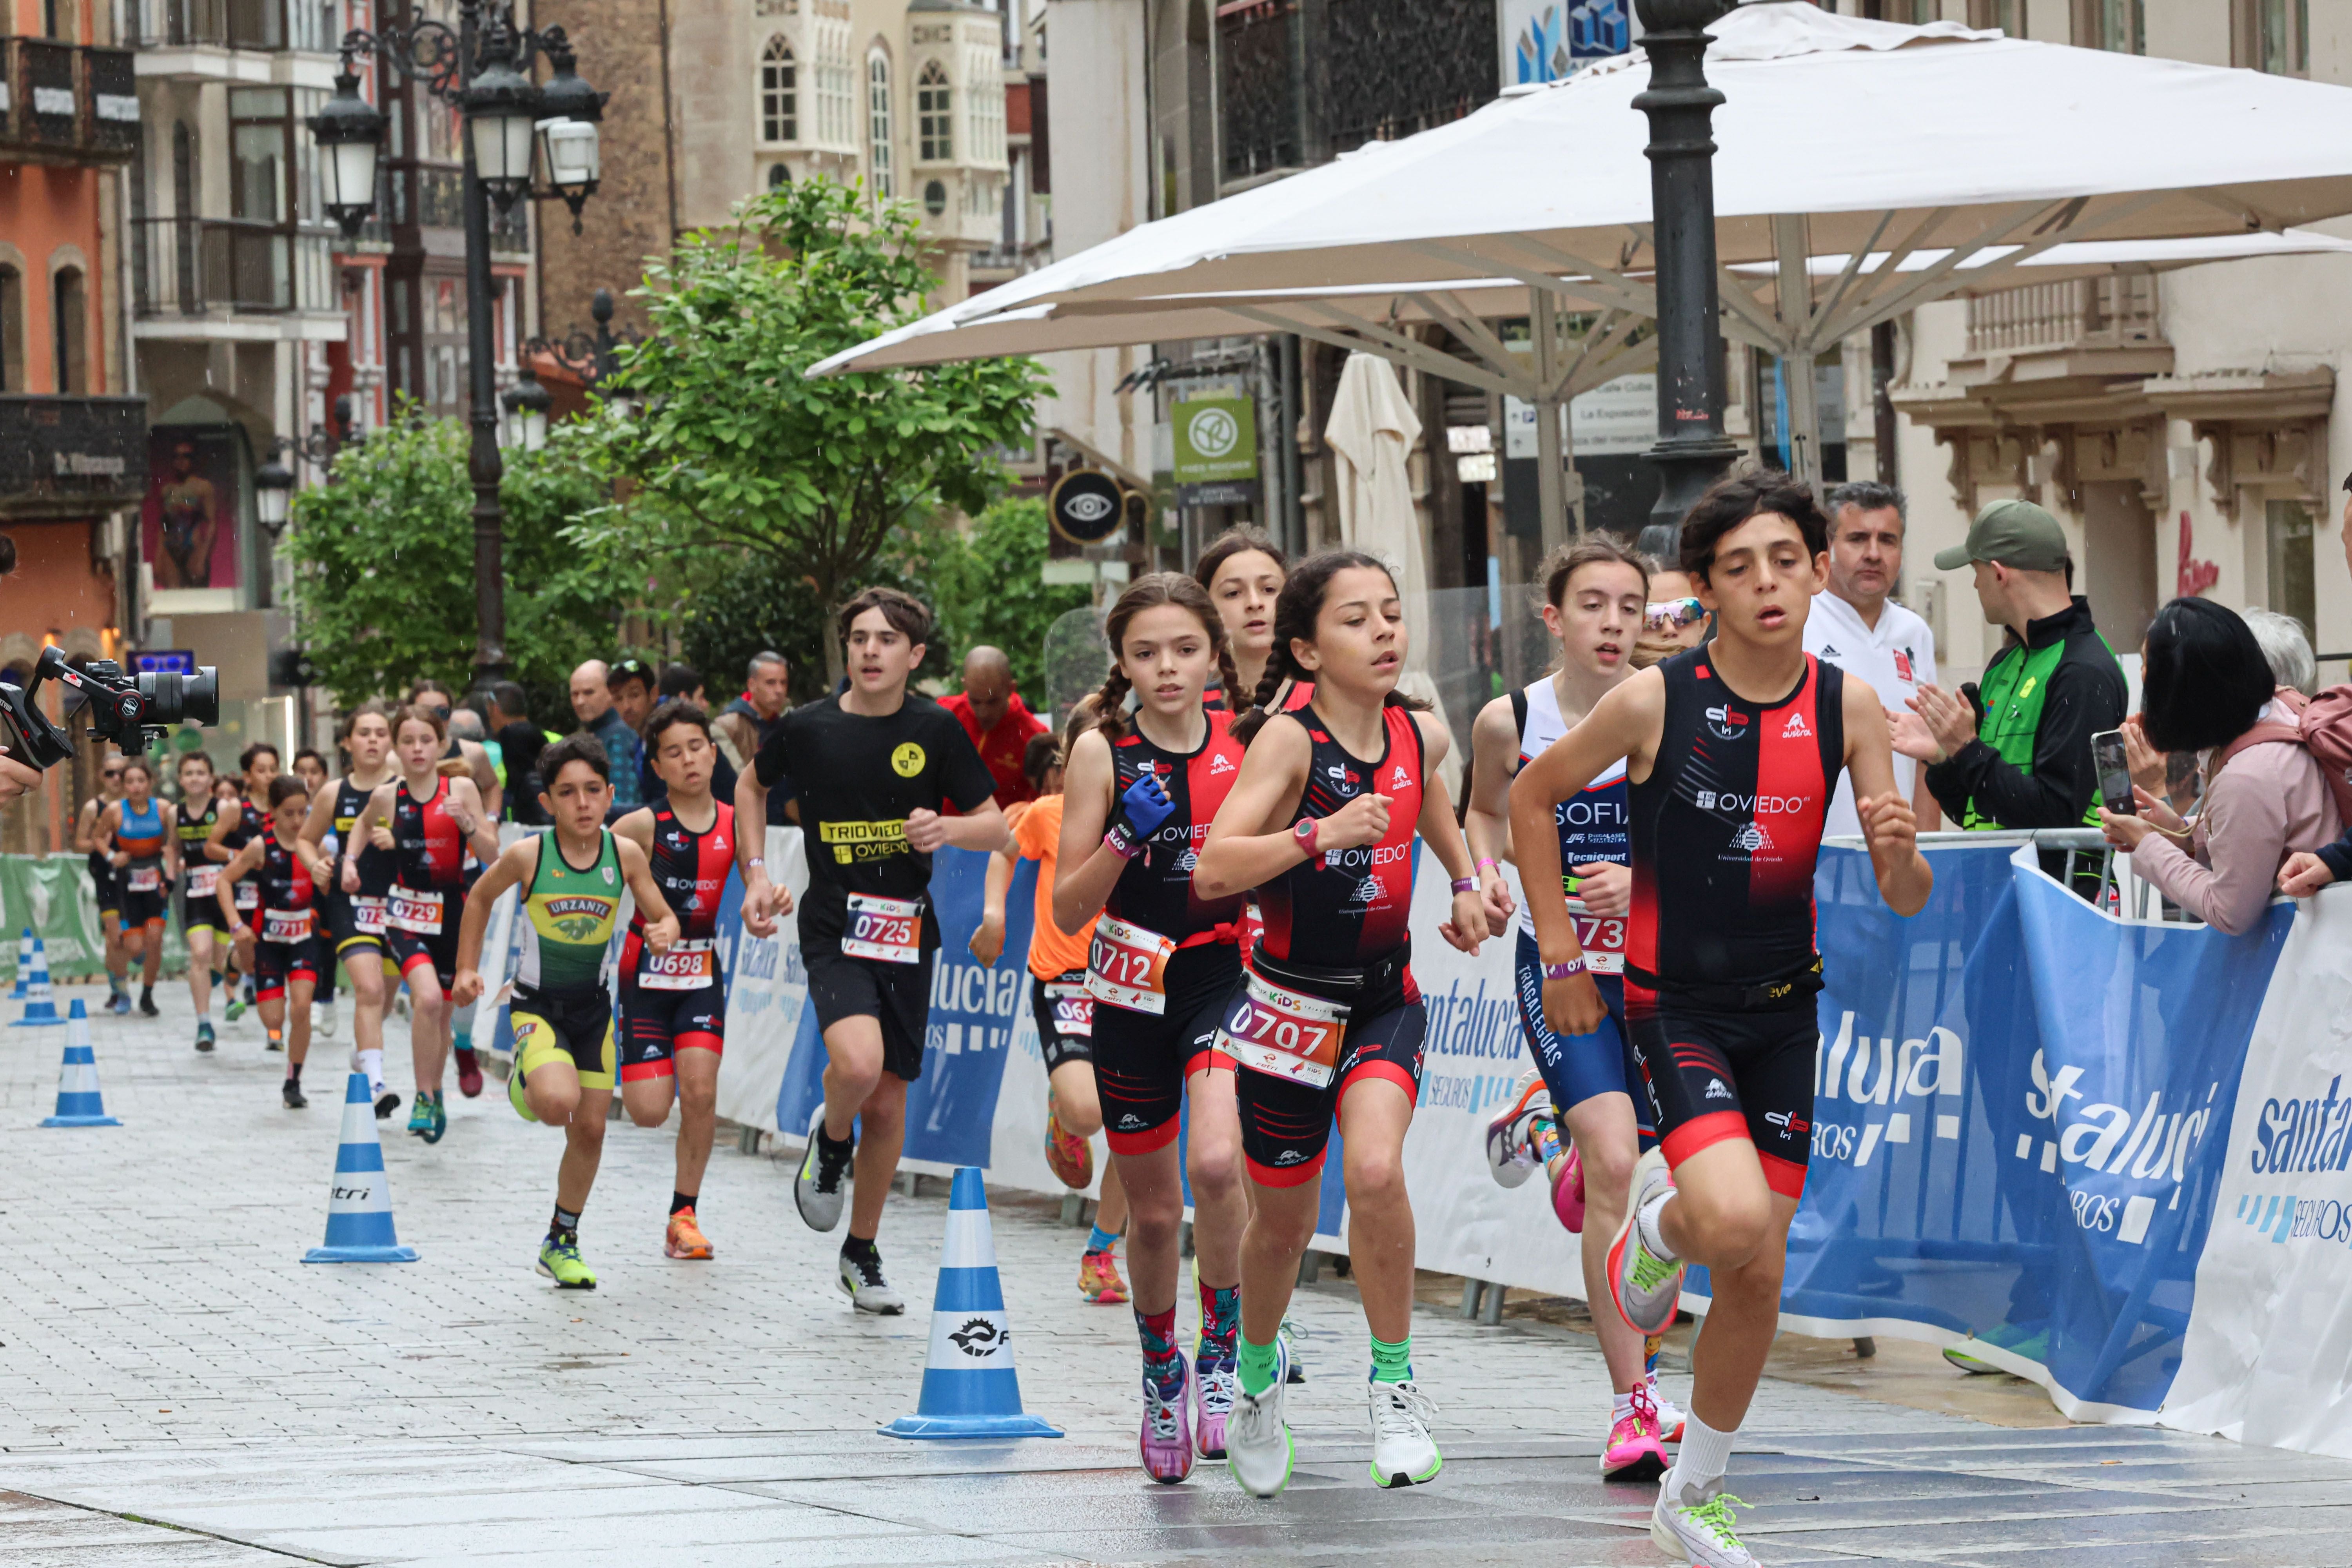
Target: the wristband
pixel 1486 864
pixel 754 864
pixel 1121 841
pixel 1573 967
pixel 1465 884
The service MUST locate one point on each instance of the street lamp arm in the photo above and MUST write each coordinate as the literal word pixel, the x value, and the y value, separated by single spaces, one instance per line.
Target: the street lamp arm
pixel 424 51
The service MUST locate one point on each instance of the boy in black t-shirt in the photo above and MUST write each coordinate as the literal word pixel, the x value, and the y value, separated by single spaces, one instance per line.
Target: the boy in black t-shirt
pixel 874 764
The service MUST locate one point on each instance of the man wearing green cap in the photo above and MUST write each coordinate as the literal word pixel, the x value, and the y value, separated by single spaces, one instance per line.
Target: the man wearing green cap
pixel 2015 750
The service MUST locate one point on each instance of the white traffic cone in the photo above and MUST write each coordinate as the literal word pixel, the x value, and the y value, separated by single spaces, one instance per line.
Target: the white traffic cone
pixel 24 964
pixel 78 1102
pixel 970 1389
pixel 40 1002
pixel 358 1202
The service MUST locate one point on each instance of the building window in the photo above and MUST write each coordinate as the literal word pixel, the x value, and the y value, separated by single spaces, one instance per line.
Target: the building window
pixel 877 123
pixel 2009 16
pixel 779 176
pixel 69 324
pixel 12 330
pixel 986 106
pixel 2120 26
pixel 2294 580
pixel 2272 36
pixel 934 123
pixel 935 197
pixel 779 94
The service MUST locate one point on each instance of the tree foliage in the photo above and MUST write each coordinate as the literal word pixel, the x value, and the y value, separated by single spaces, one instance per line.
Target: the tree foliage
pixel 990 589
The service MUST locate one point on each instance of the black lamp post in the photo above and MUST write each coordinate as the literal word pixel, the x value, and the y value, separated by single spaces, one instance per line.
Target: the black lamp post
pixel 1692 451
pixel 482 70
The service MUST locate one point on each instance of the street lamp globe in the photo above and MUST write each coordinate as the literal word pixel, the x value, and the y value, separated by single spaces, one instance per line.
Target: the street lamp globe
pixel 502 108
pixel 569 110
pixel 273 494
pixel 350 133
pixel 526 405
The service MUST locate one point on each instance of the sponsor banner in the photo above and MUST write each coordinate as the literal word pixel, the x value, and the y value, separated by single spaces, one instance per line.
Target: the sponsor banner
pixel 53 894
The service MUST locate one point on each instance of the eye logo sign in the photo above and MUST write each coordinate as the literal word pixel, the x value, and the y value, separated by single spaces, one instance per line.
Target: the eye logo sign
pixel 980 1338
pixel 1213 431
pixel 1089 507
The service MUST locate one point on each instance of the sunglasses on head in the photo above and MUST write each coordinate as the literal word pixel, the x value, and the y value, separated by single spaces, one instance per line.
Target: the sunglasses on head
pixel 1674 614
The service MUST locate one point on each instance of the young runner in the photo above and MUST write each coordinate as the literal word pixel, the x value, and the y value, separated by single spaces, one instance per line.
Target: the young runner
pixel 1730 751
pixel 1322 823
pixel 674 1002
pixel 356 893
pixel 428 822
pixel 310 767
pixel 200 921
pixel 1243 570
pixel 874 764
pixel 1064 1009
pixel 137 834
pixel 256 765
pixel 101 877
pixel 286 945
pixel 1161 967
pixel 1596 592
pixel 571 879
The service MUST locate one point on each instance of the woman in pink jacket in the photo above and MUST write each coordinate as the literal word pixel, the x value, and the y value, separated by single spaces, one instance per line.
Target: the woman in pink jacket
pixel 2207 688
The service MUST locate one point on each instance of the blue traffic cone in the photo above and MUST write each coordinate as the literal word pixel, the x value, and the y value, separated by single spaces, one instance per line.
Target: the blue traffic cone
pixel 24 964
pixel 40 1002
pixel 79 1102
pixel 970 1389
pixel 359 1200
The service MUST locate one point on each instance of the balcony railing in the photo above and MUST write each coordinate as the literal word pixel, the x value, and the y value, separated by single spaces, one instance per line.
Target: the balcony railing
pixel 66 103
pixel 235 24
pixel 2079 313
pixel 203 265
pixel 70 457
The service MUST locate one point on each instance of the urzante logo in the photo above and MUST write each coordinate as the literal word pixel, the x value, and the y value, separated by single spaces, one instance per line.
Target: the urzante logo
pixel 1918 1069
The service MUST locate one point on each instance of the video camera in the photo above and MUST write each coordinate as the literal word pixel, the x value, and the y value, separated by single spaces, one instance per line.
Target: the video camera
pixel 131 710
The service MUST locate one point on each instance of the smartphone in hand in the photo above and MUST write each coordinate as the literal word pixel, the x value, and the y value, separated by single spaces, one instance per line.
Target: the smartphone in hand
pixel 2108 755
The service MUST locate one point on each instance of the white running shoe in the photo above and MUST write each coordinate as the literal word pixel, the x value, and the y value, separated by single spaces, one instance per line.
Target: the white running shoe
pixel 1403 1453
pixel 1510 1150
pixel 1646 1286
pixel 323 1021
pixel 868 1290
pixel 1700 1530
pixel 1258 1449
pixel 818 1188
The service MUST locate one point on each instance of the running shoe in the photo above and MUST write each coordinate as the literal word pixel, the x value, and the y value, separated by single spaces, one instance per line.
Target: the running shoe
pixel 2032 1344
pixel 469 1073
pixel 868 1290
pixel 1670 1416
pixel 1510 1152
pixel 1214 1384
pixel 1258 1449
pixel 515 1095
pixel 823 1181
pixel 1635 1450
pixel 322 1020
pixel 387 1102
pixel 420 1115
pixel 1098 1280
pixel 1291 1332
pixel 1403 1453
pixel 560 1261
pixel 1567 1194
pixel 686 1238
pixel 1166 1444
pixel 120 1004
pixel 438 1126
pixel 205 1039
pixel 1646 1286
pixel 1072 1158
pixel 277 1043
pixel 235 1008
pixel 293 1097
pixel 147 1008
pixel 1700 1531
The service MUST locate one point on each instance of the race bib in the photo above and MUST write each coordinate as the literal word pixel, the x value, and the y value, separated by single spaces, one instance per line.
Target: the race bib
pixel 286 925
pixel 1127 967
pixel 1073 1009
pixel 1285 1034
pixel 410 910
pixel 145 880
pixel 367 916
pixel 889 930
pixel 248 896
pixel 686 967
pixel 1602 938
pixel 202 881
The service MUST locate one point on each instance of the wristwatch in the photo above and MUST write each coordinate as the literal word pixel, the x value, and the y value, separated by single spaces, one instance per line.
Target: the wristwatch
pixel 1305 833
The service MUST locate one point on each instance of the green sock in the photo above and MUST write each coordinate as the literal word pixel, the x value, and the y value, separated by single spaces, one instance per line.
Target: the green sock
pixel 1257 1366
pixel 1391 1363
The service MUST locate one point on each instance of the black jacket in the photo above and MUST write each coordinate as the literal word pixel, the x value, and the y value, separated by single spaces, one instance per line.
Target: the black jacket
pixel 2087 693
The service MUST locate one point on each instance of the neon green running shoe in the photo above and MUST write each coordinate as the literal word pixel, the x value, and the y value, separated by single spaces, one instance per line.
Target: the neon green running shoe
pixel 560 1261
pixel 235 1006
pixel 2033 1343
pixel 420 1115
pixel 516 1097
pixel 439 1122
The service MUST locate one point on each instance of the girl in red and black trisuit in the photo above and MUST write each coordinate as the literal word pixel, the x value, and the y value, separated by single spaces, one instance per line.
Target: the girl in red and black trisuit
pixel 288 950
pixel 428 822
pixel 1322 823
pixel 1138 795
pixel 674 1003
pixel 237 826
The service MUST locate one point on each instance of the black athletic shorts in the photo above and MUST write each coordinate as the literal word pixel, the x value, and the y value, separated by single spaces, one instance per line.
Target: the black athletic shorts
pixel 200 910
pixel 345 928
pixel 655 1023
pixel 277 964
pixel 411 949
pixel 575 1026
pixel 1066 1018
pixel 1715 1073
pixel 103 878
pixel 897 996
pixel 1285 1124
pixel 137 907
pixel 1143 1060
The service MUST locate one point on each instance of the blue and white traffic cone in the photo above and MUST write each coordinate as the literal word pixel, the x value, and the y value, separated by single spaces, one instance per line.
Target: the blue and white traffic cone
pixel 359 1203
pixel 78 1102
pixel 40 1002
pixel 24 964
pixel 970 1389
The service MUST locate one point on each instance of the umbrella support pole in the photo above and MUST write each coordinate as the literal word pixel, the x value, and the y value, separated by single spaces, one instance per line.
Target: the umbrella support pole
pixel 1803 433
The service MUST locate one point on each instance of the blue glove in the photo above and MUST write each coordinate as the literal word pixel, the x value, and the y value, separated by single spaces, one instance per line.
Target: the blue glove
pixel 1141 810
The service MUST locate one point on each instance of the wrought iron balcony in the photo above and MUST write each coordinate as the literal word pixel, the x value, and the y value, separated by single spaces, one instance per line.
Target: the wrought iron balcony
pixel 66 103
pixel 203 265
pixel 71 456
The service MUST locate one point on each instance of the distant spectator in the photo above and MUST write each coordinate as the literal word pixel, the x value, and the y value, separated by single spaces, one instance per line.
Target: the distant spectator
pixel 2287 647
pixel 2206 685
pixel 519 744
pixel 998 721
pixel 749 720
pixel 630 684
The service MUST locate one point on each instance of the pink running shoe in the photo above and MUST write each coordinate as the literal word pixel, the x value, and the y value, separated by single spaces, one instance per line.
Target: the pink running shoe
pixel 1167 1441
pixel 1635 1452
pixel 1214 1384
pixel 1567 1194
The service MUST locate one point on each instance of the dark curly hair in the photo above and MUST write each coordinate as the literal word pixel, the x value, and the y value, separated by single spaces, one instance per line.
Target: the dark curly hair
pixel 1732 501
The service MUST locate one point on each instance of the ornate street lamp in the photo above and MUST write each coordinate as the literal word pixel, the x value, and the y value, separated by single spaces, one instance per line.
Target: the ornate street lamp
pixel 350 133
pixel 526 405
pixel 570 110
pixel 273 491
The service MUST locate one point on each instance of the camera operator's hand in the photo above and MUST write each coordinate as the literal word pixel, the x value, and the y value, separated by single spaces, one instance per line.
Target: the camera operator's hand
pixel 17 778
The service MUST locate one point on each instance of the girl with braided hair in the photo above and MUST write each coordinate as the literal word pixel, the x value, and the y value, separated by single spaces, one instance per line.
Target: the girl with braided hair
pixel 1140 793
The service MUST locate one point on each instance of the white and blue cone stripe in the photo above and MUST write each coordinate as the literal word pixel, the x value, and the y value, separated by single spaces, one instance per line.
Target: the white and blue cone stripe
pixel 78 1102
pixel 40 1002
pixel 24 964
pixel 359 1200
pixel 970 1387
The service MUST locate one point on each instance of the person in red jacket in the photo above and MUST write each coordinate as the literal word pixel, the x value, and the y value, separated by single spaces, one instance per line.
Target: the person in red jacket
pixel 998 721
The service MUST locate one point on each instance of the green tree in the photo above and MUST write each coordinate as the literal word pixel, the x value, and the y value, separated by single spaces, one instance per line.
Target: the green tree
pixel 738 449
pixel 990 589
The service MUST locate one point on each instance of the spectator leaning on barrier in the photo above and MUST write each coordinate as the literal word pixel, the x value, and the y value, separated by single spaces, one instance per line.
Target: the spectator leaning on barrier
pixel 2015 751
pixel 2208 687
pixel 1854 625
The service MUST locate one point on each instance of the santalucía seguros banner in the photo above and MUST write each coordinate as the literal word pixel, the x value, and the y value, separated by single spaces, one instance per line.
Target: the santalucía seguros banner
pixel 2023 1111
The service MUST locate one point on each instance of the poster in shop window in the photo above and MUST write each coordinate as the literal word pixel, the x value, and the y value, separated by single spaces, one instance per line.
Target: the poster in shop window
pixel 188 527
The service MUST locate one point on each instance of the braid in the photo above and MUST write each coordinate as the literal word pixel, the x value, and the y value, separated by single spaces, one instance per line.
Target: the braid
pixel 1109 702
pixel 1227 675
pixel 1278 669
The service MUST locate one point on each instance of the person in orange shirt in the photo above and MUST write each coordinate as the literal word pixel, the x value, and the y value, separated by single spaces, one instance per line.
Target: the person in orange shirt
pixel 1065 1012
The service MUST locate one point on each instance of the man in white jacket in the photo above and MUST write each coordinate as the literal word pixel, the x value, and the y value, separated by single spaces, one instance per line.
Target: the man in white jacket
pixel 1856 627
